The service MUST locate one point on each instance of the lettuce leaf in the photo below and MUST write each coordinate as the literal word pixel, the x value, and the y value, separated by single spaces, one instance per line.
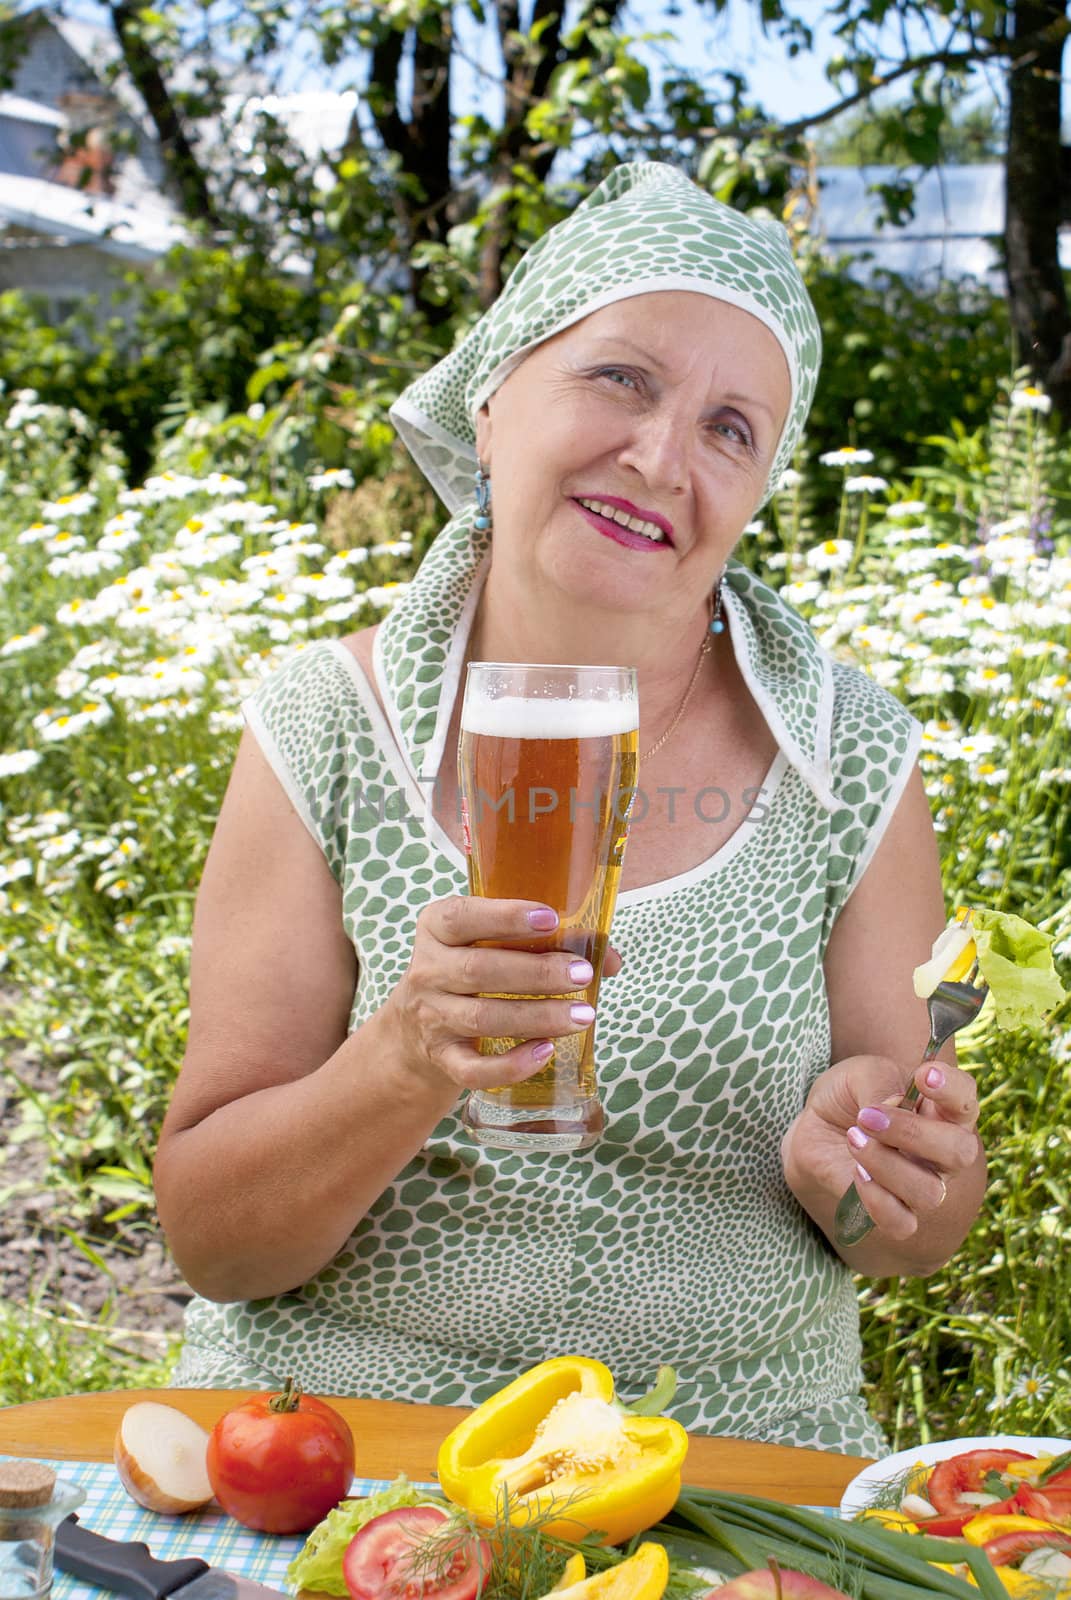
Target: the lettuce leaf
pixel 319 1564
pixel 1016 962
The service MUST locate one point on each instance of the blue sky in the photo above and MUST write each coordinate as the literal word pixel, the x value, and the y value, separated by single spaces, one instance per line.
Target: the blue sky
pixel 734 41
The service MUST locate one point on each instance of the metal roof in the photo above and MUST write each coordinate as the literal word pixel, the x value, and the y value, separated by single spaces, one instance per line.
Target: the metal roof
pixel 954 231
pixel 133 233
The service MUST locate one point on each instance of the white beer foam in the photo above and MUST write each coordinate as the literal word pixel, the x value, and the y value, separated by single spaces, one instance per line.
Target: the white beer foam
pixel 511 717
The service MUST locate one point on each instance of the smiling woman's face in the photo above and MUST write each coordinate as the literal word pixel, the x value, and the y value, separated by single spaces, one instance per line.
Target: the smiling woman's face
pixel 628 453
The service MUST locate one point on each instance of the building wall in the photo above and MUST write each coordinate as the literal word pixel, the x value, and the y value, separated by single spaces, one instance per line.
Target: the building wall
pixel 65 277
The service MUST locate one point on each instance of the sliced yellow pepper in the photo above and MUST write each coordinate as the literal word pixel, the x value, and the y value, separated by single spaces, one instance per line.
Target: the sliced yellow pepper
pixel 1022 1583
pixel 889 1519
pixel 1027 1469
pixel 575 1569
pixel 558 1446
pixel 989 1525
pixel 1015 1582
pixel 642 1577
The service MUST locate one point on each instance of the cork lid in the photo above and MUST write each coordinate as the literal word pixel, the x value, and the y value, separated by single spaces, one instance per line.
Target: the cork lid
pixel 25 1483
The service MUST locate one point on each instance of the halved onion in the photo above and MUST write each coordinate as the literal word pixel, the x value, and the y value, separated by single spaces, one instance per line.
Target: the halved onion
pixel 160 1458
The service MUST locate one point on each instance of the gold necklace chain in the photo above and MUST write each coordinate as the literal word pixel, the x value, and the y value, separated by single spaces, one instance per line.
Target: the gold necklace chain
pixel 704 651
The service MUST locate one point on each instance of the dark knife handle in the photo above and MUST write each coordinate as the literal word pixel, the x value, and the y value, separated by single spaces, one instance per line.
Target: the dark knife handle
pixel 124 1568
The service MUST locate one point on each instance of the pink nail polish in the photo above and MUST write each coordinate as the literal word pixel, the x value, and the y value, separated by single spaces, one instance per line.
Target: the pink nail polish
pixel 582 1013
pixel 870 1117
pixel 857 1139
pixel 543 919
pixel 862 1174
pixel 542 1051
pixel 934 1078
pixel 580 972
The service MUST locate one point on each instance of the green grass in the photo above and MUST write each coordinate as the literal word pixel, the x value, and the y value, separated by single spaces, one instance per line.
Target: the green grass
pixel 44 1353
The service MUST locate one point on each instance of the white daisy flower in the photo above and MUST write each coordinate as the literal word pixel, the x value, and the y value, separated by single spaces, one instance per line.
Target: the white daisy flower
pixel 23 641
pixel 13 763
pixel 331 478
pixel 847 457
pixel 386 594
pixel 283 603
pixel 831 556
pixel 324 586
pixel 864 485
pixel 61 845
pixel 1030 398
pixel 37 532
pixel 84 563
pixel 901 509
pixel 69 505
pixel 916 560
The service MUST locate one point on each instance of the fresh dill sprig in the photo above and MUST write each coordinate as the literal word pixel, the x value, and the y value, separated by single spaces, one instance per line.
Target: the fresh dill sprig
pixel 525 1562
pixel 885 1494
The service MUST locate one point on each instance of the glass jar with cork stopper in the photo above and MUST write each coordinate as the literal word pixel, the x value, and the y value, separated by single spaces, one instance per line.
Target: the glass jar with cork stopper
pixel 32 1501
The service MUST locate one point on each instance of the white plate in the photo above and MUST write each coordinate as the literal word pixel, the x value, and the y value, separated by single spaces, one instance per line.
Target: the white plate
pixel 862 1490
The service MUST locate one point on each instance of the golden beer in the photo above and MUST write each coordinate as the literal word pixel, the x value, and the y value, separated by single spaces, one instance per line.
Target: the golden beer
pixel 547 772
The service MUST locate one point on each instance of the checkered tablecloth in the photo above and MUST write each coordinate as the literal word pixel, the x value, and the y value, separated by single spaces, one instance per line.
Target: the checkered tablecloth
pixel 208 1533
pixel 216 1538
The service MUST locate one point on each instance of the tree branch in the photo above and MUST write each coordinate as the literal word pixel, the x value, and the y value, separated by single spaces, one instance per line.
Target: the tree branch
pixel 180 161
pixel 937 58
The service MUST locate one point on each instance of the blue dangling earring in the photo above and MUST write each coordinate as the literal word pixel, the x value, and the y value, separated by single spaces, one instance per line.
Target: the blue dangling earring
pixel 482 519
pixel 717 624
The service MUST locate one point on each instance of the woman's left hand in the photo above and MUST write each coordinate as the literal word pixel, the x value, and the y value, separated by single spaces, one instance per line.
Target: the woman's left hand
pixel 910 1167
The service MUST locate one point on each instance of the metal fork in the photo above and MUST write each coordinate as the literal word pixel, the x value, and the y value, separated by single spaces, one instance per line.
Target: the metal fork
pixel 951 1007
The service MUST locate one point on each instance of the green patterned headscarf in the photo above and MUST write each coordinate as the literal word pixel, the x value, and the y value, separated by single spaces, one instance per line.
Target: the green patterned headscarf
pixel 646 227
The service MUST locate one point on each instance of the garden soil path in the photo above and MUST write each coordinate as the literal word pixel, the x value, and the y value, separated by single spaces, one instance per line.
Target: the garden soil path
pixel 139 1291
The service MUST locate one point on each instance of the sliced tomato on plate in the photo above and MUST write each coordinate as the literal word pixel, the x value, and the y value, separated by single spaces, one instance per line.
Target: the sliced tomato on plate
pixel 381 1561
pixel 946 1527
pixel 1009 1547
pixel 951 1479
pixel 1059 1480
pixel 1052 1502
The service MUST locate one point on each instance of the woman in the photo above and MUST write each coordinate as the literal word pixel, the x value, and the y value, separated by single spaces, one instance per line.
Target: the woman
pixel 631 398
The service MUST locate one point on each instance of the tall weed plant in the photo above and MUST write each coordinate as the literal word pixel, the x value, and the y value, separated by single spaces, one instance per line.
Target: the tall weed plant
pixel 135 617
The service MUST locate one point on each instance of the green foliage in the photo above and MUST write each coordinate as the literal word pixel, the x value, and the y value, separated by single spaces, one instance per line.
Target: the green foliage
pixel 44 1353
pixel 866 137
pixel 899 362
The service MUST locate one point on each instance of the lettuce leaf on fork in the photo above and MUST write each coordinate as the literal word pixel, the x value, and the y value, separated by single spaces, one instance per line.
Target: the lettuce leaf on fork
pixel 1014 958
pixel 1016 962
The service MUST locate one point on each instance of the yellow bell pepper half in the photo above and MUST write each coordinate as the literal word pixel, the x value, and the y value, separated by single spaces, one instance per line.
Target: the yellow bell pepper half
pixel 558 1447
pixel 643 1576
pixel 987 1525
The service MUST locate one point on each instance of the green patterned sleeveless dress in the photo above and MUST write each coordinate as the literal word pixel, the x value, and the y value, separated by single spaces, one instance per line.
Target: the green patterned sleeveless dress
pixel 676 1238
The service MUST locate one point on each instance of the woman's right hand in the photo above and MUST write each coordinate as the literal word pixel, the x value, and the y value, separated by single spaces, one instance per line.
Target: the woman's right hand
pixel 444 1004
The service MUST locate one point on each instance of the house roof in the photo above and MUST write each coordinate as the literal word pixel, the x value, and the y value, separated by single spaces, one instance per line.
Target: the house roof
pixel 19 109
pixel 954 231
pixel 132 233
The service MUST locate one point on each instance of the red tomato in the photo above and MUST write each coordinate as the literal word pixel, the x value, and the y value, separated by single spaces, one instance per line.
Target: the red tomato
pixel 1051 1503
pixel 1010 1546
pixel 280 1462
pixel 966 1474
pixel 946 1527
pixel 378 1564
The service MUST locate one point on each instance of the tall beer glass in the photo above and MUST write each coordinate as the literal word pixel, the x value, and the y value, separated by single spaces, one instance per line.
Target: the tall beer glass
pixel 547 772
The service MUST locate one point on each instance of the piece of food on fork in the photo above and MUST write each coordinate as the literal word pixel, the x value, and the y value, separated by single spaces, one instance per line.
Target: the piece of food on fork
pixel 1001 950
